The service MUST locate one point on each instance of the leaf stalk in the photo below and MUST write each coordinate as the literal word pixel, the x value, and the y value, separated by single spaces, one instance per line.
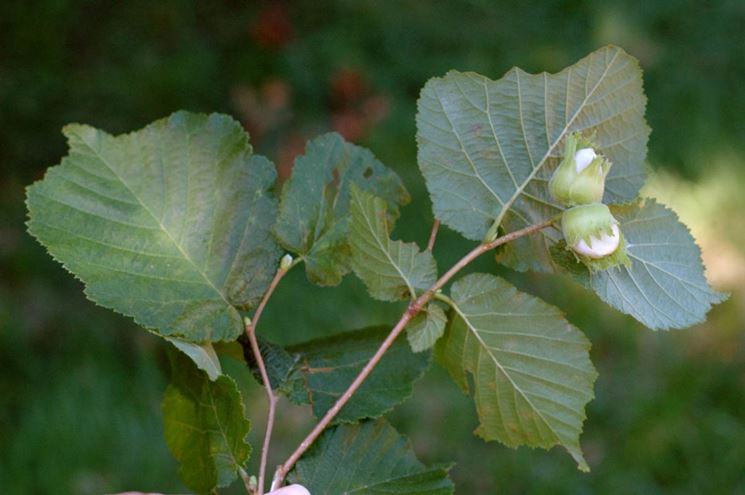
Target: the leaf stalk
pixel 433 235
pixel 271 396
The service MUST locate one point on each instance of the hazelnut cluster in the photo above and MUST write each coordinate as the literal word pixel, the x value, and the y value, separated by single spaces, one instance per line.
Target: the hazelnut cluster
pixel 590 230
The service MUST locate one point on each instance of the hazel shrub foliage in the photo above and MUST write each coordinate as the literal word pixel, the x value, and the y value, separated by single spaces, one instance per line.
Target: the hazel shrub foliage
pixel 183 228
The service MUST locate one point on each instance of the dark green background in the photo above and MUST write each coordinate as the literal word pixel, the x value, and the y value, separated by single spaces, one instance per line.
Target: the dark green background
pixel 80 386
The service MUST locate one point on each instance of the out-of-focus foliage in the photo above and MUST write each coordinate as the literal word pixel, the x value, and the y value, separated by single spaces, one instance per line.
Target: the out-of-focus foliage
pixel 80 388
pixel 119 65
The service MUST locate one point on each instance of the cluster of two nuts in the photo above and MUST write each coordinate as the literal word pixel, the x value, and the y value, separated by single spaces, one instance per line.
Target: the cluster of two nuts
pixel 590 230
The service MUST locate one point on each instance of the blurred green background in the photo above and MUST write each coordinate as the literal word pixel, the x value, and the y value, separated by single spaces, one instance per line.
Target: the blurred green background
pixel 80 387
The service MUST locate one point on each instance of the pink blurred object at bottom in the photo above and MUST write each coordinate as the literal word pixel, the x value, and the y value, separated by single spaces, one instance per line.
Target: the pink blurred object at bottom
pixel 287 490
pixel 291 490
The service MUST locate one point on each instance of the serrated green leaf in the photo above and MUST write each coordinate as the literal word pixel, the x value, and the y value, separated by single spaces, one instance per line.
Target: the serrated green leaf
pixel 203 356
pixel 488 148
pixel 426 328
pixel 169 224
pixel 531 369
pixel 391 270
pixel 314 208
pixel 665 286
pixel 326 367
pixel 205 426
pixel 368 459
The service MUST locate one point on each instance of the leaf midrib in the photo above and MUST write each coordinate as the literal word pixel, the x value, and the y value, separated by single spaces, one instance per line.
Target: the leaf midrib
pixel 224 435
pixel 475 333
pixel 384 248
pixel 508 204
pixel 186 256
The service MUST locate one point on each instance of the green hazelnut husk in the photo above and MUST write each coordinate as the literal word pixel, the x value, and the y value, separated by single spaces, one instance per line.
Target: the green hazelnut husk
pixel 594 236
pixel 570 187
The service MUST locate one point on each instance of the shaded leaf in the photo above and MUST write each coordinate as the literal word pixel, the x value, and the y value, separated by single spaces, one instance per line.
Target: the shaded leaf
pixel 326 367
pixel 232 350
pixel 426 328
pixel 280 366
pixel 169 224
pixel 370 458
pixel 203 356
pixel 391 270
pixel 531 369
pixel 205 426
pixel 314 209
pixel 488 148
pixel 665 286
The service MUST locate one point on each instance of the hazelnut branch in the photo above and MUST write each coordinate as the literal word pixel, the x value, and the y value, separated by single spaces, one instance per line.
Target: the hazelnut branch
pixel 285 265
pixel 413 309
pixel 433 235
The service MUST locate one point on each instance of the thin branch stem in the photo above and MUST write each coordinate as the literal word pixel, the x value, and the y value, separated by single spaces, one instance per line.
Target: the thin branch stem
pixel 433 235
pixel 271 397
pixel 414 308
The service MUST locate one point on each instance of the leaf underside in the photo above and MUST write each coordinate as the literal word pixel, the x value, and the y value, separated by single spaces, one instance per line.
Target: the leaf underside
pixel 203 355
pixel 391 270
pixel 370 458
pixel 205 426
pixel 319 371
pixel 665 286
pixel 531 369
pixel 314 210
pixel 488 148
pixel 426 328
pixel 169 224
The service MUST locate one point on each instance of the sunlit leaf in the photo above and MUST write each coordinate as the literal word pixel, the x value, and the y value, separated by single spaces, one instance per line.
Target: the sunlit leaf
pixel 665 286
pixel 314 209
pixel 370 458
pixel 205 426
pixel 169 224
pixel 391 270
pixel 488 148
pixel 531 369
